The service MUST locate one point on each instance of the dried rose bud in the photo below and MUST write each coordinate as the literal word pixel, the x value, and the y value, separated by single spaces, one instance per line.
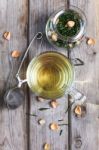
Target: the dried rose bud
pixel 70 45
pixel 40 99
pixel 54 37
pixel 70 24
pixel 15 53
pixel 46 146
pixel 78 42
pixel 54 126
pixel 91 41
pixel 54 104
pixel 7 35
pixel 41 121
pixel 78 110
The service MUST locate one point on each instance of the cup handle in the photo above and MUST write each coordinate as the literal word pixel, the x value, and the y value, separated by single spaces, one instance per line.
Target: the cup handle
pixel 77 96
pixel 77 62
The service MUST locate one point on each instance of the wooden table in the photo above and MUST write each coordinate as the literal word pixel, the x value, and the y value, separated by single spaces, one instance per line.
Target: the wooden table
pixel 18 131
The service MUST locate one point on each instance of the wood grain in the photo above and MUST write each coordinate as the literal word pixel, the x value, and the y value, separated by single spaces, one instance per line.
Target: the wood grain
pixel 13 18
pixel 87 78
pixel 21 132
pixel 85 129
pixel 39 11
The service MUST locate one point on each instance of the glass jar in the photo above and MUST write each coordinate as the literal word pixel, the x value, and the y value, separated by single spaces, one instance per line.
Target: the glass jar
pixel 66 27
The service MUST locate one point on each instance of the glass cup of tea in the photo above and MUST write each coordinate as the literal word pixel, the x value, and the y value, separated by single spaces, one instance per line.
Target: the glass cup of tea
pixel 66 27
pixel 50 75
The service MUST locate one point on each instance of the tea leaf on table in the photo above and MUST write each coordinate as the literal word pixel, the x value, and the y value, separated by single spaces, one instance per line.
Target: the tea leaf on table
pixel 63 124
pixel 31 114
pixel 41 109
pixel 61 131
pixel 61 120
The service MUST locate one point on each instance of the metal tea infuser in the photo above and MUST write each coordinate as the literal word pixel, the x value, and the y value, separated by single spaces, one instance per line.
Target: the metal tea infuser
pixel 15 96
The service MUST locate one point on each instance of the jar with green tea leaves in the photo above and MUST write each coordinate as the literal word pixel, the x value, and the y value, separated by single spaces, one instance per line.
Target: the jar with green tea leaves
pixel 66 27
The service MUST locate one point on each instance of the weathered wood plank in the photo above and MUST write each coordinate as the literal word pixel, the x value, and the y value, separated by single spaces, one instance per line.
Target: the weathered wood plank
pixel 13 18
pixel 39 13
pixel 85 130
pixel 87 78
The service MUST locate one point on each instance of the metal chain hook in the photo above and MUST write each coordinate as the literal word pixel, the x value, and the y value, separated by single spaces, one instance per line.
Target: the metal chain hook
pixel 39 36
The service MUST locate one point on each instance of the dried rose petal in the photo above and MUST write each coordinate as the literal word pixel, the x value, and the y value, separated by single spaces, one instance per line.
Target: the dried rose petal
pixel 78 110
pixel 78 42
pixel 54 37
pixel 40 99
pixel 46 146
pixel 7 35
pixel 15 53
pixel 91 41
pixel 54 126
pixel 41 121
pixel 70 24
pixel 54 104
pixel 70 45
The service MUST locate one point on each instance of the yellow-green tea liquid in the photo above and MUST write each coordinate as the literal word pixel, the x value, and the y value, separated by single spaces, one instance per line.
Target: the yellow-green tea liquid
pixel 50 74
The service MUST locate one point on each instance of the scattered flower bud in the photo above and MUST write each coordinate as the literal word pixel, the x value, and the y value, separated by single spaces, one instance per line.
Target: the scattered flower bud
pixel 7 35
pixel 54 103
pixel 70 24
pixel 78 110
pixel 91 41
pixel 54 126
pixel 40 99
pixel 71 45
pixel 15 53
pixel 46 146
pixel 54 37
pixel 78 42
pixel 41 121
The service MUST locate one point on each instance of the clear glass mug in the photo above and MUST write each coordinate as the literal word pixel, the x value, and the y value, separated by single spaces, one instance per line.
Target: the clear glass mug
pixel 66 27
pixel 50 75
